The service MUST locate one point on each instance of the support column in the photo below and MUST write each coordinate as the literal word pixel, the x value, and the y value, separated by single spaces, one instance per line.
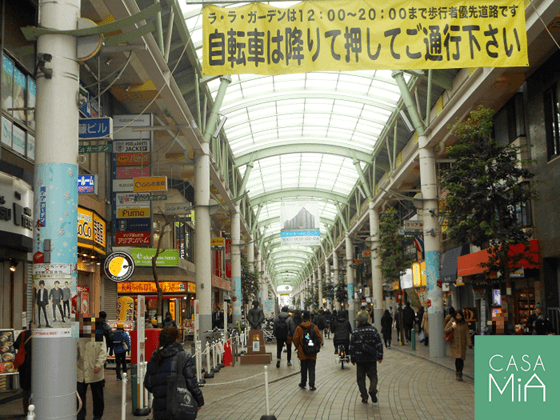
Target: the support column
pixel 376 278
pixel 320 286
pixel 236 264
pixel 251 262
pixel 56 203
pixel 350 279
pixel 202 258
pixel 430 211
pixel 313 287
pixel 335 279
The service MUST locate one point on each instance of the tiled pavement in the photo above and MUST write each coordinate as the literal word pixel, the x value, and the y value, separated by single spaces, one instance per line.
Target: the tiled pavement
pixel 410 387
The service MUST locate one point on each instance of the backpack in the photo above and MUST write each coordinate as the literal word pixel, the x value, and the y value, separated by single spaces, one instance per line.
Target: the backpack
pixel 310 343
pixel 282 330
pixel 181 405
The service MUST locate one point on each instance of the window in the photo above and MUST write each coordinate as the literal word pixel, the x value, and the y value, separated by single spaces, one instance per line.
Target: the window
pixel 551 122
pixel 509 122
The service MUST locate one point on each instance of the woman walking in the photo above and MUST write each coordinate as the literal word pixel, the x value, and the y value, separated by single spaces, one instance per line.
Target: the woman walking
pixel 159 368
pixel 461 338
pixel 386 328
pixel 425 326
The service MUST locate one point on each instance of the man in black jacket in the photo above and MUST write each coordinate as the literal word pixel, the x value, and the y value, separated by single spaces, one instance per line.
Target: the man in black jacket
pixel 107 331
pixel 366 350
pixel 408 320
pixel 281 331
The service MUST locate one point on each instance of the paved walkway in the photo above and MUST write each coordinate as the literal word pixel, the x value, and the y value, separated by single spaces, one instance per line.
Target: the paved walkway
pixel 410 387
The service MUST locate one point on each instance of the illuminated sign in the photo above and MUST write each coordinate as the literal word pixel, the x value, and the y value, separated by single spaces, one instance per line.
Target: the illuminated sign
pixel 151 183
pixel 130 213
pixel 92 230
pixel 150 287
pixel 87 184
pixel 119 266
pixel 133 238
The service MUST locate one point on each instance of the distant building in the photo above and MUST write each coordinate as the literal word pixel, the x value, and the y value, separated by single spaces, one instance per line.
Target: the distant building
pixel 302 220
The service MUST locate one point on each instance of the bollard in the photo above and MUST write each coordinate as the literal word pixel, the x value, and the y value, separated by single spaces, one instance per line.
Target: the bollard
pixel 216 368
pixel 267 416
pixel 221 354
pixel 413 338
pixel 145 390
pixel 123 398
pixel 198 361
pixel 31 414
pixel 208 373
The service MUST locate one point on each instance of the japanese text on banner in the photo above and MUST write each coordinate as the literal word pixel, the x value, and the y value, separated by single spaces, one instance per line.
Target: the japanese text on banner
pixel 360 35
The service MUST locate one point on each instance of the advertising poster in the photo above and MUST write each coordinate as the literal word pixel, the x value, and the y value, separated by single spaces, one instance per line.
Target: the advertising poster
pixel 18 140
pixel 125 308
pixel 20 95
pixel 7 84
pixel 6 132
pixel 299 223
pixel 7 352
pixel 31 101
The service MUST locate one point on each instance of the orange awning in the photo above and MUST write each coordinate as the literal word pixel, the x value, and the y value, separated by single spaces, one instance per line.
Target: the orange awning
pixel 469 264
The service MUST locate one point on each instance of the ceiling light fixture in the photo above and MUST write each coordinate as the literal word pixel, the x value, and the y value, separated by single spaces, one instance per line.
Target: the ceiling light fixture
pixel 406 120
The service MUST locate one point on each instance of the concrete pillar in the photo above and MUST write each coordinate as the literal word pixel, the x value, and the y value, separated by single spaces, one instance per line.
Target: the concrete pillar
pixel 350 279
pixel 202 257
pixel 376 277
pixel 335 279
pixel 236 264
pixel 56 203
pixel 320 286
pixel 313 288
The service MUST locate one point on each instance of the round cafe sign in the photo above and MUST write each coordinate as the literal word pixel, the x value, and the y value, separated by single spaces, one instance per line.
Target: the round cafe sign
pixel 119 266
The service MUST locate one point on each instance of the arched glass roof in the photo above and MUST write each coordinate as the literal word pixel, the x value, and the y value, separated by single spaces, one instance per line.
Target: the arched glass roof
pixel 301 133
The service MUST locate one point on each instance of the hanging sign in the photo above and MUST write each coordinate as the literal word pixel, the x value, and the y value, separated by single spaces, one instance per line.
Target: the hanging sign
pixel 349 35
pixel 119 266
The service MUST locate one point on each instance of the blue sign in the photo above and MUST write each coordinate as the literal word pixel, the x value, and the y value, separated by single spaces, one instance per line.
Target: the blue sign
pixel 87 184
pixel 133 225
pixel 95 128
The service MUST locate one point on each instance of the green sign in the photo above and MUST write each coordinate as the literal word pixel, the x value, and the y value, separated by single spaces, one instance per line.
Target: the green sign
pixel 96 148
pixel 166 258
pixel 517 377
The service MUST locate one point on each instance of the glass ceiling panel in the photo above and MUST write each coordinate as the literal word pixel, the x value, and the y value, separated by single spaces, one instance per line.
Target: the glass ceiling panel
pixel 345 109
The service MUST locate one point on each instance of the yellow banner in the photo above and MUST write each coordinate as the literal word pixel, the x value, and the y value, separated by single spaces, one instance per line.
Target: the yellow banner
pixel 218 242
pixel 346 35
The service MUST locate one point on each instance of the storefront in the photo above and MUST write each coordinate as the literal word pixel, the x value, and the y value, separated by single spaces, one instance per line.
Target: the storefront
pixel 491 294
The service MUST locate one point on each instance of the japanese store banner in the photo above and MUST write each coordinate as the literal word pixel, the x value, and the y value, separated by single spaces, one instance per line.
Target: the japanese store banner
pixel 360 35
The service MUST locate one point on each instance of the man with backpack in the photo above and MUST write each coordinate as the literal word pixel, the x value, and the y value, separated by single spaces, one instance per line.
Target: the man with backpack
pixel 281 331
pixel 366 350
pixel 307 340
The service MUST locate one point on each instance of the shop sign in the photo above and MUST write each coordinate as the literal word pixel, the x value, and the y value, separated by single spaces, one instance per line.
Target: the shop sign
pixel 95 128
pixel 133 225
pixel 395 285
pixel 131 159
pixel 16 203
pixel 423 277
pixel 133 120
pixel 151 183
pixel 133 213
pixel 7 352
pixel 123 185
pixel 95 148
pixel 518 273
pixel 132 199
pixel 87 184
pixel 220 283
pixel 52 271
pixel 119 266
pixel 191 287
pixel 366 254
pixel 92 230
pixel 416 280
pixel 132 146
pixel 134 287
pixel 128 172
pixel 177 209
pixel 133 238
pixel 460 281
pixel 218 242
pixel 166 258
pixel 413 226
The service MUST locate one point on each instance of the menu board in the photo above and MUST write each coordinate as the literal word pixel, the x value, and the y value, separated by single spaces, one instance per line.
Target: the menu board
pixel 7 352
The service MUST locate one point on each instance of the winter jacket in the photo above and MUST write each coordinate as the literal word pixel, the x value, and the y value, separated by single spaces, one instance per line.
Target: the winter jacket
pixel 387 325
pixel 425 324
pixel 342 329
pixel 461 338
pixel 284 317
pixel 156 378
pixel 319 321
pixel 91 354
pixel 365 344
pixel 408 316
pixel 293 323
pixel 298 338
pixel 107 333
pixel 118 338
pixel 420 316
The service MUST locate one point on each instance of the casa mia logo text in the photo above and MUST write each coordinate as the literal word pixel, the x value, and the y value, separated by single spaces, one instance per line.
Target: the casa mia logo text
pixel 512 378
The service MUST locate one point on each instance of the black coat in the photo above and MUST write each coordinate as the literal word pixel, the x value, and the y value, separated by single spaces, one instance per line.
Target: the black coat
pixel 408 316
pixel 320 321
pixel 365 344
pixel 25 368
pixel 386 325
pixel 156 378
pixel 342 329
pixel 293 323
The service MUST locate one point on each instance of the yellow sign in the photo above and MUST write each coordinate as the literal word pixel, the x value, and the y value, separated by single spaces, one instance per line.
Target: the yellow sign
pixel 191 287
pixel 130 213
pixel 423 273
pixel 150 287
pixel 92 230
pixel 416 277
pixel 350 35
pixel 150 183
pixel 218 242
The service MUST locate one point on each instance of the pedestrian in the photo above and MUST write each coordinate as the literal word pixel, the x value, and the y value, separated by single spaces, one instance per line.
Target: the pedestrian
pixel 159 368
pixel 419 318
pixel 387 328
pixel 461 338
pixel 328 323
pixel 537 323
pixel 281 331
pixel 341 329
pixel 92 355
pixel 450 314
pixel 408 320
pixel 426 328
pixel 398 324
pixel 366 350
pixel 319 320
pixel 307 341
pixel 107 331
pixel 24 369
pixel 293 323
pixel 120 338
pixel 169 321
pixel 148 322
